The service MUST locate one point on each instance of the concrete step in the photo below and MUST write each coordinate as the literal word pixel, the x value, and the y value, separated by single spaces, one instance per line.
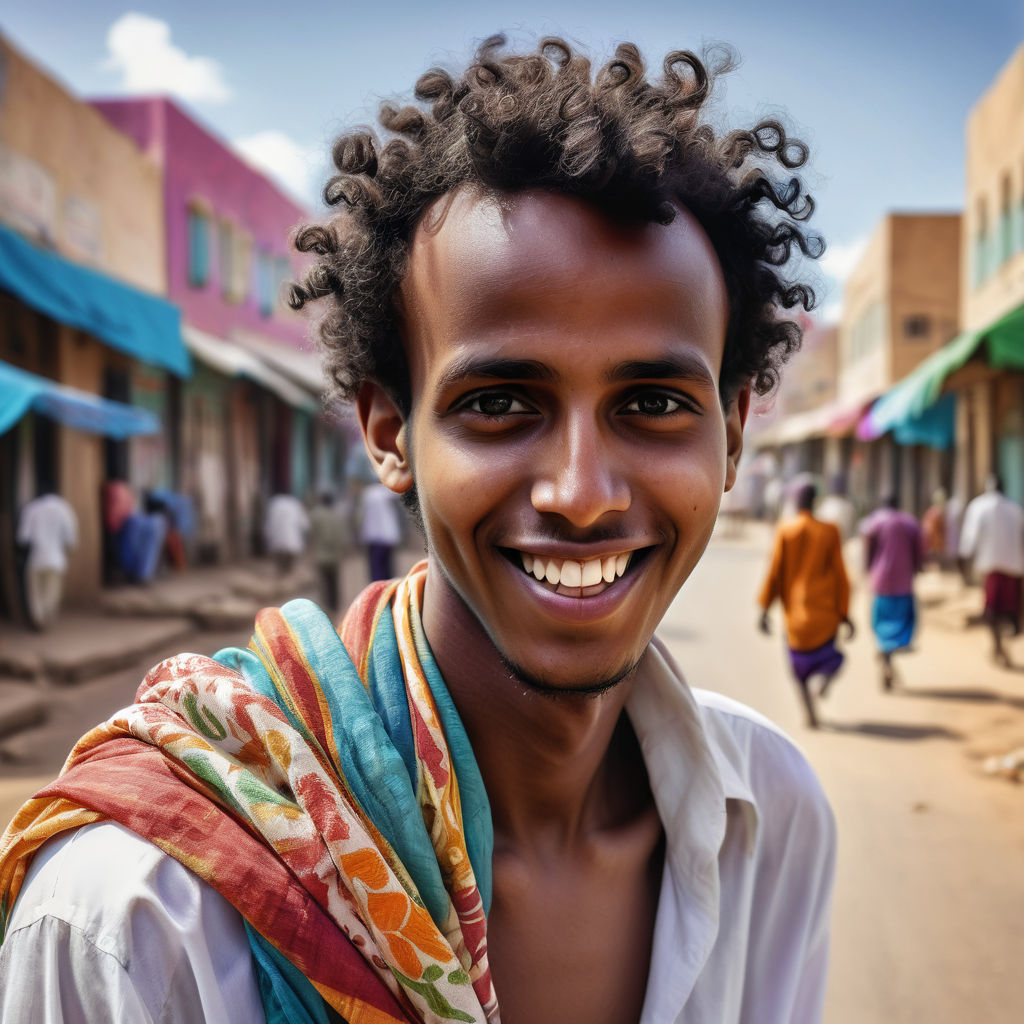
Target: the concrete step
pixel 22 705
pixel 81 646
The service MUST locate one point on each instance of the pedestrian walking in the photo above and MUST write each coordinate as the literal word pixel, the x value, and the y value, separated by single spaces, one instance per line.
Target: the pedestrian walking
pixel 48 526
pixel 808 576
pixel 380 529
pixel 992 539
pixel 287 523
pixel 935 530
pixel 837 508
pixel 330 538
pixel 893 555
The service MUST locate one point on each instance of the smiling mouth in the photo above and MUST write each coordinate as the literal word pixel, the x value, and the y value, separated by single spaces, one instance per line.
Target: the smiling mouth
pixel 574 577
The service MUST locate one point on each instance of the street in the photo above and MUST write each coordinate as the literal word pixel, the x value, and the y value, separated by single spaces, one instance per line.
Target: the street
pixel 929 910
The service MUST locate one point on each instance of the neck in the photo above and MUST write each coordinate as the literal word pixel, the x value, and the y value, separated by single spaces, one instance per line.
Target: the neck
pixel 550 762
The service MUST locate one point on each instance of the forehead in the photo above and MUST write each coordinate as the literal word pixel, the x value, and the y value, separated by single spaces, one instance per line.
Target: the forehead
pixel 492 270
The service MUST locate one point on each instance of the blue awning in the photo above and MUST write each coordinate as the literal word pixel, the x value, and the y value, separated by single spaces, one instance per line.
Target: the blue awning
pixel 144 326
pixel 21 391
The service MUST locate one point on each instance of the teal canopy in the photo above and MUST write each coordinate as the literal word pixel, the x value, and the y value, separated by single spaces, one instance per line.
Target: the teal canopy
pixel 912 407
pixel 143 326
pixel 21 391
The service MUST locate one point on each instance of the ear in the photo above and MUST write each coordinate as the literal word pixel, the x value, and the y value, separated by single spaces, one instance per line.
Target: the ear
pixel 385 437
pixel 735 420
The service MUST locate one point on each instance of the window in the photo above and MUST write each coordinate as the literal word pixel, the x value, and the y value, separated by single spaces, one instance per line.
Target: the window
pixel 916 327
pixel 198 240
pixel 979 254
pixel 1005 223
pixel 265 291
pixel 226 256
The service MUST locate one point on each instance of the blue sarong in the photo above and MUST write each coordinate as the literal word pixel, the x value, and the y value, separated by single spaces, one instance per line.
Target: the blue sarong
pixel 893 618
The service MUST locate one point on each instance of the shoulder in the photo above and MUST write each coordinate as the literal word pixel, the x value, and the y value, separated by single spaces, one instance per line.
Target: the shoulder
pixel 103 895
pixel 764 761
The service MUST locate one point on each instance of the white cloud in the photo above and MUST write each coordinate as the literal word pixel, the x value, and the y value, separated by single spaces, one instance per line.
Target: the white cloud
pixel 140 48
pixel 290 164
pixel 841 258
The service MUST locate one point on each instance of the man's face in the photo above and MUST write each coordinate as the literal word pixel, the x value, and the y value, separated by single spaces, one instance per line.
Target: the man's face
pixel 568 443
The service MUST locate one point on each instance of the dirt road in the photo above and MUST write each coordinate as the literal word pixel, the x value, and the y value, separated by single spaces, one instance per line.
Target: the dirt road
pixel 929 911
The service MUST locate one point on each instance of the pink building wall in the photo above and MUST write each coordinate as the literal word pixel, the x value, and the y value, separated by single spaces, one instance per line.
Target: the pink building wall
pixel 200 168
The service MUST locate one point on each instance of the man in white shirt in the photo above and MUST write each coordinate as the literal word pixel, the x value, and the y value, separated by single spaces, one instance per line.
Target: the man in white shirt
pixel 287 523
pixel 549 301
pixel 48 526
pixel 992 539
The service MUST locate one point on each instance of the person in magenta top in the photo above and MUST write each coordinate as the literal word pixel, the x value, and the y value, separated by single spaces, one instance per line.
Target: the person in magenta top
pixel 893 555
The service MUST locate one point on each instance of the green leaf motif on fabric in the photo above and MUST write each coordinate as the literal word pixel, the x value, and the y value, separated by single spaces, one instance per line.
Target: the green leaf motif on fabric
pixel 458 977
pixel 196 761
pixel 435 1000
pixel 259 792
pixel 211 728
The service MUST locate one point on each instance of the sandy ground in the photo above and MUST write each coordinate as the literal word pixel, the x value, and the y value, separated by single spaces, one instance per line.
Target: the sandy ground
pixel 929 908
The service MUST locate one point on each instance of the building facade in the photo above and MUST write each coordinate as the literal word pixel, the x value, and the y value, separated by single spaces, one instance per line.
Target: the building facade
pixel 251 419
pixel 81 229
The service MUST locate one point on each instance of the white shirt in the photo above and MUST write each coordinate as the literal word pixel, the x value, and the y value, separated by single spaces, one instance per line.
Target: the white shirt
pixel 286 526
pixel 840 511
pixel 49 526
pixel 107 927
pixel 993 535
pixel 380 523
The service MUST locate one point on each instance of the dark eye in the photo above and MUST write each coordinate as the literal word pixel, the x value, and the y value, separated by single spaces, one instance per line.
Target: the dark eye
pixel 495 403
pixel 654 404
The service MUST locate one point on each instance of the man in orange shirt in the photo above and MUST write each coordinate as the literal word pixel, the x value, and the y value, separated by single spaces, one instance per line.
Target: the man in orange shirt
pixel 808 576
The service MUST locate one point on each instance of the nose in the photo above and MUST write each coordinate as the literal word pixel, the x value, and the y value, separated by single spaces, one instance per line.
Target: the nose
pixel 578 476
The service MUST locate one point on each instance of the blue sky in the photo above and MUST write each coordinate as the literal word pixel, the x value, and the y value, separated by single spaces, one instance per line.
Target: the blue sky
pixel 880 91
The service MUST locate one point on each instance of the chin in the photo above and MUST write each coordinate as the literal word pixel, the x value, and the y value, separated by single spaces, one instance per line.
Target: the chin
pixel 558 687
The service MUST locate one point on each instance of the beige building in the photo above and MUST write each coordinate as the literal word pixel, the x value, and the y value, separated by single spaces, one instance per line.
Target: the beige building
pixel 900 304
pixel 990 392
pixel 78 193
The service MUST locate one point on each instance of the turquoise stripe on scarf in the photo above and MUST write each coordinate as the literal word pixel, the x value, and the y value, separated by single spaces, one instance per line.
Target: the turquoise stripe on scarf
pixel 376 757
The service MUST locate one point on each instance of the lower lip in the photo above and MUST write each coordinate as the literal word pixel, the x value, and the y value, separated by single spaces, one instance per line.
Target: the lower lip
pixel 576 609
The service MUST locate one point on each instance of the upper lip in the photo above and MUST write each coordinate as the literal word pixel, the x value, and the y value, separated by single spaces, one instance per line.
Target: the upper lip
pixel 576 552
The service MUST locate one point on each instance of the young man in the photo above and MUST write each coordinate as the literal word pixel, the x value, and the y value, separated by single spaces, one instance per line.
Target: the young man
pixel 893 556
pixel 993 540
pixel 808 576
pixel 548 296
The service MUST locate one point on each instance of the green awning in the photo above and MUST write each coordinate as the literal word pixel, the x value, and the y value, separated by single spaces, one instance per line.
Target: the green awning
pixel 908 401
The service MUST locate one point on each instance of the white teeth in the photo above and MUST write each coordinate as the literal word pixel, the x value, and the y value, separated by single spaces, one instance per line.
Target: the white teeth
pixel 572 574
pixel 591 574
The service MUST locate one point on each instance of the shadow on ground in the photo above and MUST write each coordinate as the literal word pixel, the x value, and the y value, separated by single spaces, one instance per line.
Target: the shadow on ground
pixel 893 730
pixel 964 696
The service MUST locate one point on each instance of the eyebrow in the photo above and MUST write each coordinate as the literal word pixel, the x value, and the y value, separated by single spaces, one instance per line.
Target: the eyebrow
pixel 673 367
pixel 495 369
pixel 679 366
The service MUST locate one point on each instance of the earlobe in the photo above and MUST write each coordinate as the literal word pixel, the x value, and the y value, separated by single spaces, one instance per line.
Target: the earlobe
pixel 385 437
pixel 735 420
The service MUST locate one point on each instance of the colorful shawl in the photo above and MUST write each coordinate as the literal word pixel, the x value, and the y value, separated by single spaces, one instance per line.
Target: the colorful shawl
pixel 316 778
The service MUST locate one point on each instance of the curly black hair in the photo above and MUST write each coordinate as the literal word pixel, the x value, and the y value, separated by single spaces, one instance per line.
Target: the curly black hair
pixel 633 147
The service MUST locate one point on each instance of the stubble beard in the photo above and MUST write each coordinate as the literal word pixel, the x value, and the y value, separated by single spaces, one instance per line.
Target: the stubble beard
pixel 556 692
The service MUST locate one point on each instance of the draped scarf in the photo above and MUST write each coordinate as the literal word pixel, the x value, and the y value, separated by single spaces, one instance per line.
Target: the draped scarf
pixel 322 782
